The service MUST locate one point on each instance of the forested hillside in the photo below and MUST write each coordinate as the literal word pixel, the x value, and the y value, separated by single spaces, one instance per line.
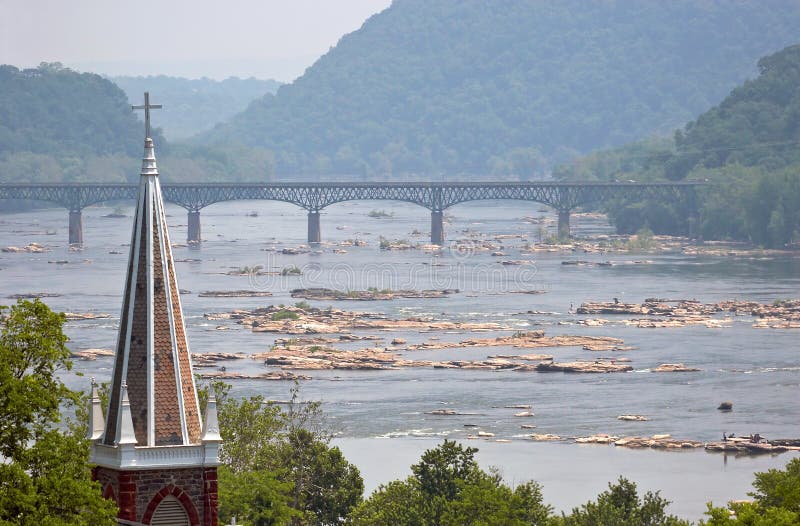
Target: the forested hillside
pixel 473 87
pixel 57 125
pixel 52 109
pixel 195 105
pixel 748 145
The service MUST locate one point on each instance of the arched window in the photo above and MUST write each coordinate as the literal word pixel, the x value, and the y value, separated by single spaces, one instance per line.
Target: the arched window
pixel 170 512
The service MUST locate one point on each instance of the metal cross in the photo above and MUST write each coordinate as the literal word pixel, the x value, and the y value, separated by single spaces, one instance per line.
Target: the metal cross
pixel 147 107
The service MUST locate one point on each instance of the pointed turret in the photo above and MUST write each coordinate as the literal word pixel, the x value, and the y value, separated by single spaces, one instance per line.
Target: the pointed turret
pixel 97 423
pixel 152 352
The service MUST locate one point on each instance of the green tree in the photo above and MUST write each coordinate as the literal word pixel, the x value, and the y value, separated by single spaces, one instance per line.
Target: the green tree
pixel 278 459
pixel 45 478
pixel 447 487
pixel 776 501
pixel 256 497
pixel 621 505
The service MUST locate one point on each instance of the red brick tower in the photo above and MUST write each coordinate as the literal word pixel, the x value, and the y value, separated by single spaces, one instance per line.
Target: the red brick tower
pixel 154 457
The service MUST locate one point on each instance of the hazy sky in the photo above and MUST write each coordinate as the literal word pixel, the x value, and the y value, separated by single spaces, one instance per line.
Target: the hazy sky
pixel 189 38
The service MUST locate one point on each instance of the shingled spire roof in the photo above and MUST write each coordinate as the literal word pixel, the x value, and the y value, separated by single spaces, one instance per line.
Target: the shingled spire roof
pixel 152 355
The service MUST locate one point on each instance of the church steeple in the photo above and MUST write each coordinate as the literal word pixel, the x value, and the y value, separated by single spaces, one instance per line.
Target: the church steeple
pixel 152 351
pixel 154 457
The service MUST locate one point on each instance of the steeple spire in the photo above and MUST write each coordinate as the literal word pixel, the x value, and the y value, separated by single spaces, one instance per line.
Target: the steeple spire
pixel 153 456
pixel 152 351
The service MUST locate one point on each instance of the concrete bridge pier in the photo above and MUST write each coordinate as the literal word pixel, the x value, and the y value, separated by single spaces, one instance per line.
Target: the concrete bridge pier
pixel 563 224
pixel 193 234
pixel 75 227
pixel 437 227
pixel 314 231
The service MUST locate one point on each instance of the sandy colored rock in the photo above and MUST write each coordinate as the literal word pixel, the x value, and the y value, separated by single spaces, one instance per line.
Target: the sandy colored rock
pixel 92 354
pixel 234 294
pixel 272 375
pixel 31 248
pixel 674 368
pixel 583 367
pixel 545 437
pixel 369 294
pixel 74 316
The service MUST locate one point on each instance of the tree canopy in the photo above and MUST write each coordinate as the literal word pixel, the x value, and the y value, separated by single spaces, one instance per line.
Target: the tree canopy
pixel 44 476
pixel 447 487
pixel 277 465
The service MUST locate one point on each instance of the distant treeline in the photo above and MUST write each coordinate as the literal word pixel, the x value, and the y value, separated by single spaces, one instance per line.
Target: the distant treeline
pixel 192 106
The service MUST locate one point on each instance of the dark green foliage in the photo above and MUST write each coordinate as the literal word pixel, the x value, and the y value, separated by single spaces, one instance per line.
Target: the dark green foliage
pixel 195 105
pixel 44 473
pixel 57 125
pixel 470 87
pixel 779 488
pixel 448 487
pixel 621 505
pixel 777 501
pixel 278 465
pixel 32 352
pixel 256 496
pixel 54 110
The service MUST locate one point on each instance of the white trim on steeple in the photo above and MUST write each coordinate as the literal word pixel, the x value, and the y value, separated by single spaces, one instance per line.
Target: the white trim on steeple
pixel 97 424
pixel 127 436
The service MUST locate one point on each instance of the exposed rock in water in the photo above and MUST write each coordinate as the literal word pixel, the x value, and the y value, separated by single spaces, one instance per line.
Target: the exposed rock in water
pixel 745 445
pixel 529 339
pixel 583 367
pixel 73 316
pixel 235 294
pixel 92 354
pixel 545 437
pixel 674 368
pixel 34 295
pixel 525 357
pixel 782 314
pixel 369 294
pixel 295 320
pixel 600 347
pixel 210 359
pixel 725 406
pixel 633 418
pixel 272 375
pixel 443 412
pixel 31 248
pixel 663 441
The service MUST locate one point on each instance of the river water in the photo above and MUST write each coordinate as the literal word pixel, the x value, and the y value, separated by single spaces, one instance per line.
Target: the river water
pixel 381 417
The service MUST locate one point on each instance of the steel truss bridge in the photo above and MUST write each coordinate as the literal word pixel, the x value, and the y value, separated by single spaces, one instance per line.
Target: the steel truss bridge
pixel 314 197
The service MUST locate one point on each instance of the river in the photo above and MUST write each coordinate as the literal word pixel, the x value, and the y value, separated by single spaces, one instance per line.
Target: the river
pixel 381 417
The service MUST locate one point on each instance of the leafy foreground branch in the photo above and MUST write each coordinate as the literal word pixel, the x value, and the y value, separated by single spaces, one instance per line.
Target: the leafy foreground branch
pixel 44 468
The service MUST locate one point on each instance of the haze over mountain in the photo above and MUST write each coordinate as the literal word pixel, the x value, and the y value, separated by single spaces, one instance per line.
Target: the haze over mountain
pixel 60 125
pixel 195 105
pixel 470 87
pixel 749 145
